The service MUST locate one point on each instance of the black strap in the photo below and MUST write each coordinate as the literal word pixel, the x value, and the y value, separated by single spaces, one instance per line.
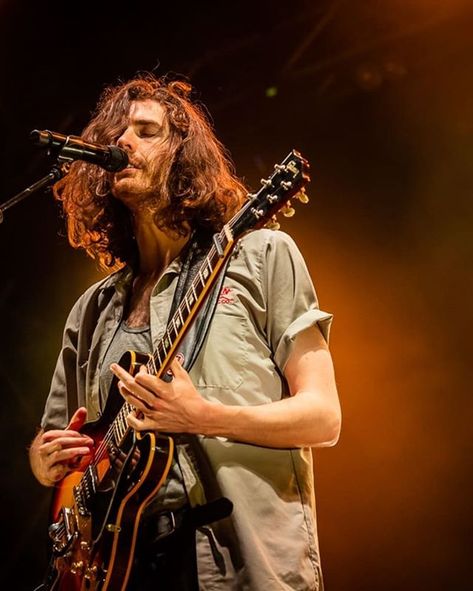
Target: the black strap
pixel 192 342
pixel 216 506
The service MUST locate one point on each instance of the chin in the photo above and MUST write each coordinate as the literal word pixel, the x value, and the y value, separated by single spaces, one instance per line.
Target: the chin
pixel 124 187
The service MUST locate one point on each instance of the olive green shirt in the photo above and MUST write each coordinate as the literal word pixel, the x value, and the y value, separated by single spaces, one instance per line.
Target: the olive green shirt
pixel 270 540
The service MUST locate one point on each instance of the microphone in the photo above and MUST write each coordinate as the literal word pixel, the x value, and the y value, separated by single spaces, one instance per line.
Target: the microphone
pixel 72 147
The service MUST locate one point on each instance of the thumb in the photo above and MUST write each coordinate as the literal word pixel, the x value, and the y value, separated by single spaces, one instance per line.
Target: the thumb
pixel 78 419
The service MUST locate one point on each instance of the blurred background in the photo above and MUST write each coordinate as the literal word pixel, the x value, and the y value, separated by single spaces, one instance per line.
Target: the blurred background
pixel 377 95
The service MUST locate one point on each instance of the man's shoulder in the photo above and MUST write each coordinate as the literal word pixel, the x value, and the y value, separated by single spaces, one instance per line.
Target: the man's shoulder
pixel 265 244
pixel 264 237
pixel 261 250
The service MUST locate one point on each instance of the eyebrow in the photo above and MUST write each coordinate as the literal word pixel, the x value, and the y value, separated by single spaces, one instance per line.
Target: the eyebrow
pixel 146 122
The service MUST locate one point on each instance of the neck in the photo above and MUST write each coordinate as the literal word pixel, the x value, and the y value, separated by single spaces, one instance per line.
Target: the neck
pixel 157 248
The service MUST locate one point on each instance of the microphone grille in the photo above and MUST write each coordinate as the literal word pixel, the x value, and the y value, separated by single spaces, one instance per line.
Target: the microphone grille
pixel 118 159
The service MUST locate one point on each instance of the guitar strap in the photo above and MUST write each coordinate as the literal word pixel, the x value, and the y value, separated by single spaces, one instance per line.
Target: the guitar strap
pixel 195 336
pixel 206 500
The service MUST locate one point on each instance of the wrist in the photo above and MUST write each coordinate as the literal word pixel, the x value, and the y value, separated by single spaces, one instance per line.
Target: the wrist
pixel 218 419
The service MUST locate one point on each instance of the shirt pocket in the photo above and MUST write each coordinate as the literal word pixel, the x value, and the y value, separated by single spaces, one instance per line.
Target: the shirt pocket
pixel 224 356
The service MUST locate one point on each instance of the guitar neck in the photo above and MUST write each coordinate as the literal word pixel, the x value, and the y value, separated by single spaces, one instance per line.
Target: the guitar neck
pixel 186 311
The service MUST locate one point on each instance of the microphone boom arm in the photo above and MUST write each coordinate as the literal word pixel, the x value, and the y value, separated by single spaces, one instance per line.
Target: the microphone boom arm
pixel 57 172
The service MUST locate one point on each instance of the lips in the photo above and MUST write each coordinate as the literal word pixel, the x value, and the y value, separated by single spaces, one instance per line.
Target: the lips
pixel 130 166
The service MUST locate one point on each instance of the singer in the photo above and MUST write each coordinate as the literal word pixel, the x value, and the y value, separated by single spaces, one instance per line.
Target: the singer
pixel 245 402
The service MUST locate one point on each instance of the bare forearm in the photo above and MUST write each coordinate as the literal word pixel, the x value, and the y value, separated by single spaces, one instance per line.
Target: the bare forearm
pixel 297 421
pixel 308 418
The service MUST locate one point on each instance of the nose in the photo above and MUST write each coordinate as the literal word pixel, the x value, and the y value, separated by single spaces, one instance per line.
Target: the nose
pixel 126 140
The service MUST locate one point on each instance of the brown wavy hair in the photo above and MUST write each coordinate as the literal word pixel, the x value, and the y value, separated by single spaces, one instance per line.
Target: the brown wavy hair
pixel 195 186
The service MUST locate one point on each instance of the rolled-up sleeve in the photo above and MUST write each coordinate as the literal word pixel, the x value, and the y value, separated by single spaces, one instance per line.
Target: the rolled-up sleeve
pixel 292 304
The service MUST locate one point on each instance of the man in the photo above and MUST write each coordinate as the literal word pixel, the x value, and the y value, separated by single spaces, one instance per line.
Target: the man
pixel 261 392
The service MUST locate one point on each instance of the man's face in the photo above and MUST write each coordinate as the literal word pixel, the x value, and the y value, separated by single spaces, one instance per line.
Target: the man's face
pixel 144 139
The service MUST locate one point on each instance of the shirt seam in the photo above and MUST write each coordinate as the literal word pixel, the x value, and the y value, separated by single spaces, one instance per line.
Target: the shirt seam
pixel 314 563
pixel 263 283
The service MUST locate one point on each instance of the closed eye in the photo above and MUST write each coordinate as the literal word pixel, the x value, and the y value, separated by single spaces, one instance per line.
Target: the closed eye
pixel 147 129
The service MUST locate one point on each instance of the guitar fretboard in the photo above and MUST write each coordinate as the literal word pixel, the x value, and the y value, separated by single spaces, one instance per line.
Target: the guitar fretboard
pixel 186 308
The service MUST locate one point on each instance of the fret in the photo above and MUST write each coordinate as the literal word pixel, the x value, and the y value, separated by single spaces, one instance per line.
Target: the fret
pixel 215 255
pixel 179 312
pixel 187 304
pixel 173 321
pixel 151 365
pixel 191 296
pixel 165 344
pixel 123 425
pixel 157 356
pixel 118 428
pixel 163 352
pixel 204 274
pixel 116 437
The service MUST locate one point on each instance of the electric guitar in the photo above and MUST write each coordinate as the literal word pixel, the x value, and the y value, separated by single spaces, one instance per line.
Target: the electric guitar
pixel 96 510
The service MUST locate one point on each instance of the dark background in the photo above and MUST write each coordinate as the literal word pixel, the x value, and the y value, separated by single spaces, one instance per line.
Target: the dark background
pixel 378 96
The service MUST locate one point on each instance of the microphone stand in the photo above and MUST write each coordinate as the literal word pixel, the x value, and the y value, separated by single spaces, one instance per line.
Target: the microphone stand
pixel 57 172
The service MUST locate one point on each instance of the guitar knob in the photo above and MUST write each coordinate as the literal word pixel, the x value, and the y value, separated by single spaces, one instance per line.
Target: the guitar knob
pixel 273 224
pixel 288 211
pixel 302 197
pixel 77 568
pixel 90 573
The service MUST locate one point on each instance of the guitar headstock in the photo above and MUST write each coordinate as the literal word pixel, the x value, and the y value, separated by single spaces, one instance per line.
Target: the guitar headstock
pixel 287 181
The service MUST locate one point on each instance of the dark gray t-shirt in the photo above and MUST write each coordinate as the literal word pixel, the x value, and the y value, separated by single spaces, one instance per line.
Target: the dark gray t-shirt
pixel 125 339
pixel 172 494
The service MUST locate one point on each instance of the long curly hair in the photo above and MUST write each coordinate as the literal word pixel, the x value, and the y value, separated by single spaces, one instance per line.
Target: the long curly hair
pixel 195 185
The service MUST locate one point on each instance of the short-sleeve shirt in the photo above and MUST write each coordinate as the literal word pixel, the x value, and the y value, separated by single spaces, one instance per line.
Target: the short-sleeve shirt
pixel 267 298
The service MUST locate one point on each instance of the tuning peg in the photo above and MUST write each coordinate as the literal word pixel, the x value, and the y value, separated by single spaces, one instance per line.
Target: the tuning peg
pixel 302 196
pixel 288 211
pixel 273 223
